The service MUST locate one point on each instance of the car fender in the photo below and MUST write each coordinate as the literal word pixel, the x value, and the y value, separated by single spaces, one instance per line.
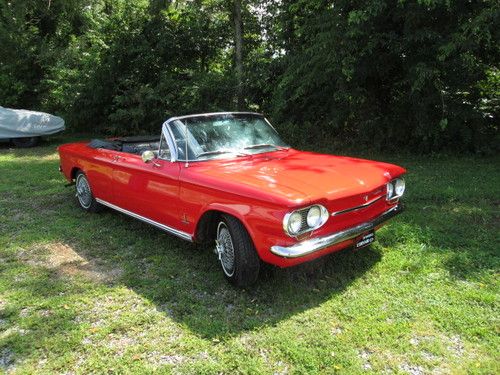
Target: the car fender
pixel 239 211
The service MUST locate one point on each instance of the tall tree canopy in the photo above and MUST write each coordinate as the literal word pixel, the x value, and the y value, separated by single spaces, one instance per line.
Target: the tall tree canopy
pixel 420 74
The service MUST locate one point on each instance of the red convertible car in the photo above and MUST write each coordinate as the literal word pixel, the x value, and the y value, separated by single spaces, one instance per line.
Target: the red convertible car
pixel 228 178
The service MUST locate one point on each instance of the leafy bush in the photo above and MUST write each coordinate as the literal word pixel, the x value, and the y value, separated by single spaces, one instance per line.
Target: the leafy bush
pixel 413 74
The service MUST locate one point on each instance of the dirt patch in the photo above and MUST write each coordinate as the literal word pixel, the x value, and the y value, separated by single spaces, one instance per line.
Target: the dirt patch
pixel 159 359
pixel 456 346
pixel 411 369
pixel 365 355
pixel 170 359
pixel 119 343
pixel 337 330
pixel 6 360
pixel 13 331
pixel 63 259
pixel 19 215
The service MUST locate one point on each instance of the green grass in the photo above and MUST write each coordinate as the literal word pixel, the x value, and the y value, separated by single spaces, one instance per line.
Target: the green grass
pixel 102 292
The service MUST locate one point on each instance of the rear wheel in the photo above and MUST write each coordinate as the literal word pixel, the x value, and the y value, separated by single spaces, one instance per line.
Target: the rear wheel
pixel 236 252
pixel 84 194
pixel 25 142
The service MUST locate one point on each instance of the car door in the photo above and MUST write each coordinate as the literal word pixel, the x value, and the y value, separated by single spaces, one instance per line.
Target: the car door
pixel 99 169
pixel 151 189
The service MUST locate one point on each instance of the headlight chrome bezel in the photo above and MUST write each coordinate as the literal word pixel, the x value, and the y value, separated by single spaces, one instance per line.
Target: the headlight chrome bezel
pixel 392 189
pixel 305 227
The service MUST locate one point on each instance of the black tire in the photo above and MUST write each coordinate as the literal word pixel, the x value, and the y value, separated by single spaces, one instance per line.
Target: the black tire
pixel 244 269
pixel 25 142
pixel 84 195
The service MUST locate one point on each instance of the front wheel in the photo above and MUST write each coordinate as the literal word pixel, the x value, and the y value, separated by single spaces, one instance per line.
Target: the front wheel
pixel 84 194
pixel 236 252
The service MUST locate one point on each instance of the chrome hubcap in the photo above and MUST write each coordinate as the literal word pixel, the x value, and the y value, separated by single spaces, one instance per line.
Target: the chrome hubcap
pixel 83 192
pixel 224 249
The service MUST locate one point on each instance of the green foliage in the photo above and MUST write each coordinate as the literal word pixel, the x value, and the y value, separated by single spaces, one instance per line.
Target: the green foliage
pixel 419 74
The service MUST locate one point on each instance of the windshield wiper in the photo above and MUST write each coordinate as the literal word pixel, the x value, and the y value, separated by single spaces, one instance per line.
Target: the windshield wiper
pixel 219 152
pixel 264 145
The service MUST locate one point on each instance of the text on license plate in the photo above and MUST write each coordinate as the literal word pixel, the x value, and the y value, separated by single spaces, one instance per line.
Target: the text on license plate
pixel 365 240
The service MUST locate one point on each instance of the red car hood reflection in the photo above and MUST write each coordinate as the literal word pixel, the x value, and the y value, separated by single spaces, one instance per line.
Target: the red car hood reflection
pixel 299 176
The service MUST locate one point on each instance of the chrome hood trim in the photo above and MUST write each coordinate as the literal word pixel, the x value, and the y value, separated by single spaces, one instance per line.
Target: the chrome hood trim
pixel 367 204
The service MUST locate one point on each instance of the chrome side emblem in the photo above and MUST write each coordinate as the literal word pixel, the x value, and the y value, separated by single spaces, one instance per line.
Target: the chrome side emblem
pixel 366 198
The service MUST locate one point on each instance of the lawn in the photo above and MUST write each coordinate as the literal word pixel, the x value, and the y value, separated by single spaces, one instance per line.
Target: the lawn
pixel 92 293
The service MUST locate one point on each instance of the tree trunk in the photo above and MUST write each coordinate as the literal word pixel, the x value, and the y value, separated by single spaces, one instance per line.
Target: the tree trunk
pixel 156 6
pixel 108 7
pixel 238 54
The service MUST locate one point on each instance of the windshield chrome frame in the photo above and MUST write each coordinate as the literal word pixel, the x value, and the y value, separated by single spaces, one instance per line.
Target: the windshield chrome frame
pixel 169 136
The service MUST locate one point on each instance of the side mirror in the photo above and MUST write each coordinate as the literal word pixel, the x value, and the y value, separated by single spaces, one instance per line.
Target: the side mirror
pixel 147 156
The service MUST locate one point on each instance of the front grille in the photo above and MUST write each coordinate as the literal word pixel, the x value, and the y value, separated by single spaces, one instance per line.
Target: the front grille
pixel 303 224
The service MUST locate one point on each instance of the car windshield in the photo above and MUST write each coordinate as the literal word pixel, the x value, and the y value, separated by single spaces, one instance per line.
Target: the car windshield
pixel 224 135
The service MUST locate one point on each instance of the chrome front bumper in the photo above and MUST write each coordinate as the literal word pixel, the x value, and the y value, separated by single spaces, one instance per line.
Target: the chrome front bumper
pixel 315 244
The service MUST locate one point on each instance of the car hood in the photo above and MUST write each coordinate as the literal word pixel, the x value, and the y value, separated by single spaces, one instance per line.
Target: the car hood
pixel 299 177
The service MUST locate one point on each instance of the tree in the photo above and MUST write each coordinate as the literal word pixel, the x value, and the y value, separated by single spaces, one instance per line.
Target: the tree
pixel 393 73
pixel 238 52
pixel 413 74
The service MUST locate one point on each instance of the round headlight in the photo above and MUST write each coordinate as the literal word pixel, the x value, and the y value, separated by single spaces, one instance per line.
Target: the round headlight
pixel 399 187
pixel 294 223
pixel 314 216
pixel 390 190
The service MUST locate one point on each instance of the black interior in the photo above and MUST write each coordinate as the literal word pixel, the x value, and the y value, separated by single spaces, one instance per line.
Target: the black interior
pixel 131 145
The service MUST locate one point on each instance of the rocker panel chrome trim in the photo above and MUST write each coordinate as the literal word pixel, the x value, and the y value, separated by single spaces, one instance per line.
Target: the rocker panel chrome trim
pixel 166 228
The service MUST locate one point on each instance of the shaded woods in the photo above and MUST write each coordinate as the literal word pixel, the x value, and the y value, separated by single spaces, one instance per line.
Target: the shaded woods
pixel 421 74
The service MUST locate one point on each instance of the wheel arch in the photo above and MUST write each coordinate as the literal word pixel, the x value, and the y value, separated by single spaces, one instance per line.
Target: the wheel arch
pixel 207 223
pixel 74 171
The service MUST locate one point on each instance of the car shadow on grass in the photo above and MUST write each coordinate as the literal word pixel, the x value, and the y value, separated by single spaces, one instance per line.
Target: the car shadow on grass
pixel 212 308
pixel 184 280
pixel 67 280
pixel 181 279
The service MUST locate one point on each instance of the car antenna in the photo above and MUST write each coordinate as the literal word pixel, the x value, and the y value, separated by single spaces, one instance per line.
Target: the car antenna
pixel 186 144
